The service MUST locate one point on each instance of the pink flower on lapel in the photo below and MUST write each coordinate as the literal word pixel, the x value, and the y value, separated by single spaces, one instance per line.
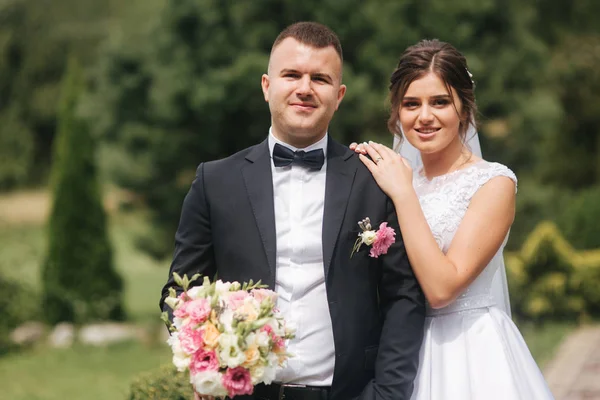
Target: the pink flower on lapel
pixel 386 236
pixel 380 240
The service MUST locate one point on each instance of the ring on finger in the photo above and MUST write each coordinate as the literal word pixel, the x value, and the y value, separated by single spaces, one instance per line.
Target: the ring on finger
pixel 377 159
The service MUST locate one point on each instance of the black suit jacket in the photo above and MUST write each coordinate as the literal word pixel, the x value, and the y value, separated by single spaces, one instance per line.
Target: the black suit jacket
pixel 376 305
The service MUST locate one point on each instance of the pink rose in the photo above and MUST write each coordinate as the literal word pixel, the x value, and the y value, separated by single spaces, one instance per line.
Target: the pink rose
pixel 237 381
pixel 190 339
pixel 198 310
pixel 204 360
pixel 277 340
pixel 262 294
pixel 385 237
pixel 236 299
pixel 182 310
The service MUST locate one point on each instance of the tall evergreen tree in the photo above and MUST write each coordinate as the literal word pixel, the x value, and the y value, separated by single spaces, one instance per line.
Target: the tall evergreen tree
pixel 80 282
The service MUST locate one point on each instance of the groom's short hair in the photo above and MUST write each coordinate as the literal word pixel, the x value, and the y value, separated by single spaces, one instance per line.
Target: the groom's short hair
pixel 312 34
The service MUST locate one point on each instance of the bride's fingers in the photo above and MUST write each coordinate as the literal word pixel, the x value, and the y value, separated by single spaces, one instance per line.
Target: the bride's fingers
pixel 385 151
pixel 353 145
pixel 360 148
pixel 368 163
pixel 374 154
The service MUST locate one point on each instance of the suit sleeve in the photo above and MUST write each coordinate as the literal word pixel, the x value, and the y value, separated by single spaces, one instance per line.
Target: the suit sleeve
pixel 403 307
pixel 193 240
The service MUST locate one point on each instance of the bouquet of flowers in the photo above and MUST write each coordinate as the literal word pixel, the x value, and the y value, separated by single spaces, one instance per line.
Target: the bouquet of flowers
pixel 228 336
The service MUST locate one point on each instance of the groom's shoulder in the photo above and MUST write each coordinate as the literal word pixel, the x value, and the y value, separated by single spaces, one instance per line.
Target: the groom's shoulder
pixel 231 161
pixel 363 177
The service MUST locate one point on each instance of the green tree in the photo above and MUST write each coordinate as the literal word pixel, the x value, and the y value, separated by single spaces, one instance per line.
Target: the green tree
pixel 35 38
pixel 80 282
pixel 186 89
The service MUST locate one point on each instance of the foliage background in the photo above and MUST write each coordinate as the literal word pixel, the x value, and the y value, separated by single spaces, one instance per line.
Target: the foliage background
pixel 170 84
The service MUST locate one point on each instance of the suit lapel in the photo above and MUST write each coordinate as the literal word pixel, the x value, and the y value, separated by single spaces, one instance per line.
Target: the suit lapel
pixel 340 176
pixel 259 186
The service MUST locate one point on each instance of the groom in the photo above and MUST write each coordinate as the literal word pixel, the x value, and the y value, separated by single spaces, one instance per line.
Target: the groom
pixel 285 211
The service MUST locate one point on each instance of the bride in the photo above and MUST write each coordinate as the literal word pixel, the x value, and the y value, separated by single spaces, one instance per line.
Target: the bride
pixel 455 211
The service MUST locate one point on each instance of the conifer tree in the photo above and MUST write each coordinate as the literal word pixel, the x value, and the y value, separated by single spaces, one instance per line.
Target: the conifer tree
pixel 79 280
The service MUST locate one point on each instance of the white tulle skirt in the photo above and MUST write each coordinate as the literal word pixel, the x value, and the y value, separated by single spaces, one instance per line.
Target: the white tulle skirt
pixel 477 355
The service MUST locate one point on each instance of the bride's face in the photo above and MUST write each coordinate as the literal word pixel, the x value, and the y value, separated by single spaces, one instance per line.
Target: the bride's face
pixel 430 114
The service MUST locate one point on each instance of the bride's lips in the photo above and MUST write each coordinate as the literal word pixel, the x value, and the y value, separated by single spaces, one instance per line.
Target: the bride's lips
pixel 427 133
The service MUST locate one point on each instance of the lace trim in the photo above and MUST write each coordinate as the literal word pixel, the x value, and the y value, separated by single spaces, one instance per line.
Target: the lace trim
pixel 445 199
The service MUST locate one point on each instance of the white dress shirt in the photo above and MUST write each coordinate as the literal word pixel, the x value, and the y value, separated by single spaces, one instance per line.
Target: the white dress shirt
pixel 299 196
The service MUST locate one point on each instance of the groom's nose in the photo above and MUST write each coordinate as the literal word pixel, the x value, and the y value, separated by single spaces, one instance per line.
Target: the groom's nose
pixel 304 87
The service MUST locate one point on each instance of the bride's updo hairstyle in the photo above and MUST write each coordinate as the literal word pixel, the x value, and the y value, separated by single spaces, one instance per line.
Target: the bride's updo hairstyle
pixel 448 64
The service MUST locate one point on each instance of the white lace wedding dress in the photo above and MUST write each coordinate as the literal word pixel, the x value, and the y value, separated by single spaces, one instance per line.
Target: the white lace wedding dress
pixel 471 349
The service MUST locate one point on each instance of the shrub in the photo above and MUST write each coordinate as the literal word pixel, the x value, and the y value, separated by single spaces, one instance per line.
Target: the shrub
pixel 549 280
pixel 80 283
pixel 162 384
pixel 18 304
pixel 535 203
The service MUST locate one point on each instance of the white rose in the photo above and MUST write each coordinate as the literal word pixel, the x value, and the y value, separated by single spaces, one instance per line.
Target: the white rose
pixel 269 374
pixel 178 322
pixel 251 339
pixel 180 359
pixel 230 353
pixel 272 360
pixel 222 287
pixel 257 373
pixel 173 341
pixel 226 319
pixel 262 339
pixel 197 292
pixel 368 237
pixel 208 383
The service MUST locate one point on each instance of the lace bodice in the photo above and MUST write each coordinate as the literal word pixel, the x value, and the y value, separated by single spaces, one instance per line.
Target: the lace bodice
pixel 444 200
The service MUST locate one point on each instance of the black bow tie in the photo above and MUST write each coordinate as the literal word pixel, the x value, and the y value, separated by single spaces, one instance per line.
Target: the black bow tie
pixel 282 157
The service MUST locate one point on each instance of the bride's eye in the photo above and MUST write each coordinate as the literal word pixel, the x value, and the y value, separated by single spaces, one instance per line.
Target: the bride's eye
pixel 410 104
pixel 441 102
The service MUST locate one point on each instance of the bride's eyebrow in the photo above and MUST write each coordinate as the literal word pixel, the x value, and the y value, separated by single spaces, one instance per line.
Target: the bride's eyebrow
pixel 436 97
pixel 441 96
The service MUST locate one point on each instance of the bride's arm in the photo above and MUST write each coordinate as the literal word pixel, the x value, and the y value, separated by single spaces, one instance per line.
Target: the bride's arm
pixel 444 277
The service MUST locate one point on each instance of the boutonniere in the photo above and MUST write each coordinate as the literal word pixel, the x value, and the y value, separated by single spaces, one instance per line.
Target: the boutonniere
pixel 380 240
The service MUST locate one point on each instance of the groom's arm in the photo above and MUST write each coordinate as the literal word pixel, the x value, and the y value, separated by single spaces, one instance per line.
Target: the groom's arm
pixel 193 240
pixel 403 306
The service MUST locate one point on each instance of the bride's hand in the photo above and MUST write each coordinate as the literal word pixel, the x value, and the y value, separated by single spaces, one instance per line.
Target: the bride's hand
pixel 392 172
pixel 199 397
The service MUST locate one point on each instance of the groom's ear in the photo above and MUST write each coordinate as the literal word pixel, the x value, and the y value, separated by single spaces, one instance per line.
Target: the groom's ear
pixel 264 83
pixel 340 96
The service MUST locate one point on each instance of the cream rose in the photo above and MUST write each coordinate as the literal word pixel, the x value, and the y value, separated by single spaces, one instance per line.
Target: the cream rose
pixel 368 237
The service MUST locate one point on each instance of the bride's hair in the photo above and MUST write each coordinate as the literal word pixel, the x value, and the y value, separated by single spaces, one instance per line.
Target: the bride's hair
pixel 448 64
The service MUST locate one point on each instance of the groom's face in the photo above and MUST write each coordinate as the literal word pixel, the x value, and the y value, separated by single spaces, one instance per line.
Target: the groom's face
pixel 303 88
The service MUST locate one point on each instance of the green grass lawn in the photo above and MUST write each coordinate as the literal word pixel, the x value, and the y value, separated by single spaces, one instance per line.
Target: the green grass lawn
pixel 22 252
pixel 82 372
pixel 79 373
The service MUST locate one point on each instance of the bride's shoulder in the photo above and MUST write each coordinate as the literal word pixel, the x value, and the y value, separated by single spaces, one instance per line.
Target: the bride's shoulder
pixel 488 170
